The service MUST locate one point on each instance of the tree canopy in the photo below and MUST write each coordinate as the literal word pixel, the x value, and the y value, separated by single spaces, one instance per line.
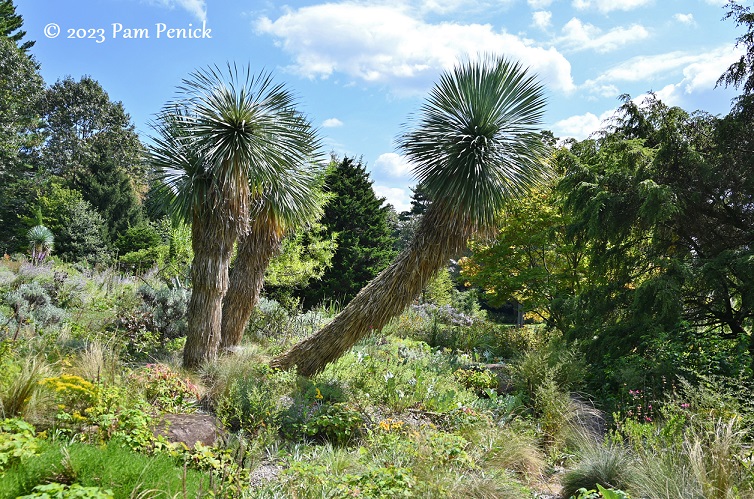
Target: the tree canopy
pixel 94 148
pixel 365 241
pixel 10 25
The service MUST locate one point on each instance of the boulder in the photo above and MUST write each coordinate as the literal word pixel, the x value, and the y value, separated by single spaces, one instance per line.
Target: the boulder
pixel 190 428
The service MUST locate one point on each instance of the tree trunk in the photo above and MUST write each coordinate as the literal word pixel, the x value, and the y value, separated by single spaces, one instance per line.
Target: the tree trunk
pixel 255 251
pixel 440 236
pixel 212 241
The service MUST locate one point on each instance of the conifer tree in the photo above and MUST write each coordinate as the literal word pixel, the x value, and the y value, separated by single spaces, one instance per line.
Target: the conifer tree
pixel 10 25
pixel 365 241
pixel 94 148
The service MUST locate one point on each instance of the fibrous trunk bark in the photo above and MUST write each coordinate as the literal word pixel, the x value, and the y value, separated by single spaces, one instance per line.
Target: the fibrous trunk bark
pixel 440 236
pixel 255 250
pixel 212 242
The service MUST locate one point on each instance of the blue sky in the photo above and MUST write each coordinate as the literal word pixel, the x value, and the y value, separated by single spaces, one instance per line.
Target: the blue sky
pixel 360 68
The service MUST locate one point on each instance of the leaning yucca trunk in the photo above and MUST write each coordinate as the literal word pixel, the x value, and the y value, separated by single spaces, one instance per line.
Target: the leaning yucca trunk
pixel 255 250
pixel 441 235
pixel 475 147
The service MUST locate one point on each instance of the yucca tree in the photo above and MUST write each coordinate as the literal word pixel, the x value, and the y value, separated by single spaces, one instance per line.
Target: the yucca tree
pixel 474 146
pixel 41 242
pixel 290 202
pixel 226 135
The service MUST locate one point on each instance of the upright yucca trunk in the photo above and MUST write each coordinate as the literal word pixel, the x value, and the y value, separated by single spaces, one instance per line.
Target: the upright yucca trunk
pixel 227 134
pixel 215 227
pixel 440 236
pixel 209 278
pixel 255 250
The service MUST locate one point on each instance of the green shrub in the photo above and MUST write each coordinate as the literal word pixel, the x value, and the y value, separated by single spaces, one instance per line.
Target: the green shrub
pixel 137 333
pixel 254 401
pixel 166 390
pixel 478 379
pixel 502 408
pixel 399 373
pixel 138 262
pixel 335 423
pixel 447 448
pixel 554 415
pixel 562 364
pixel 382 483
pixel 17 442
pixel 307 479
pixel 62 491
pixel 138 237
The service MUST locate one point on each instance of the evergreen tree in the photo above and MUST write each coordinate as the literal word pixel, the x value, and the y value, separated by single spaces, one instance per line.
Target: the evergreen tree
pixel 21 89
pixel 10 25
pixel 365 241
pixel 94 147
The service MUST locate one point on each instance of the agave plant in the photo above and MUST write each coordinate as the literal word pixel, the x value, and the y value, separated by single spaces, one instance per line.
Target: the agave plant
pixel 475 145
pixel 227 135
pixel 41 241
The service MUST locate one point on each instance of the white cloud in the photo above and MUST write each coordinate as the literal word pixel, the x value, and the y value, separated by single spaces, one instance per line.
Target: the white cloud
pixel 332 123
pixel 394 164
pixel 605 6
pixel 399 198
pixel 542 19
pixel 644 68
pixel 539 4
pixel 719 3
pixel 448 6
pixel 580 36
pixel 704 67
pixel 198 8
pixel 580 126
pixel 604 90
pixel 685 18
pixel 383 44
pixel 696 72
pixel 700 76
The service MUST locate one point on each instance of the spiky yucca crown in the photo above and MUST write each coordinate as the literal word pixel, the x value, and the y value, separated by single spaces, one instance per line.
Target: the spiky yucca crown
pixel 475 144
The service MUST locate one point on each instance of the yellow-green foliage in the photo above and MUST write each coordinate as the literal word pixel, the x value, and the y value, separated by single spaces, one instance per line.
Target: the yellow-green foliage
pixel 438 290
pixel 477 379
pixel 73 394
pixel 17 442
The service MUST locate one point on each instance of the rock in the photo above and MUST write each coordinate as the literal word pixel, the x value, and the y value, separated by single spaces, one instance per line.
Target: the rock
pixel 189 428
pixel 265 472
